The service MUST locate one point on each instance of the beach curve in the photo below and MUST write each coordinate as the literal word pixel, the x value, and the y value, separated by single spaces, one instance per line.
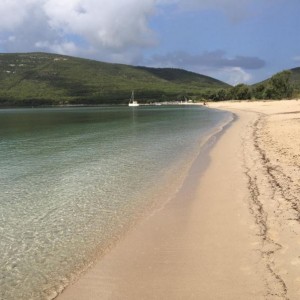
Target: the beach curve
pixel 220 241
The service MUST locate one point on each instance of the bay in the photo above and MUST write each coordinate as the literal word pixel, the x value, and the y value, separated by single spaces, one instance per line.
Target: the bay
pixel 73 181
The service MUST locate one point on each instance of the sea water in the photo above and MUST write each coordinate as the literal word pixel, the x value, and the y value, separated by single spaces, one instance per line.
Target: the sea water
pixel 73 181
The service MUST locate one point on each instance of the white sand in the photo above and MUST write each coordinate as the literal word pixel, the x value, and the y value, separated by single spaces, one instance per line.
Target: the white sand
pixel 236 236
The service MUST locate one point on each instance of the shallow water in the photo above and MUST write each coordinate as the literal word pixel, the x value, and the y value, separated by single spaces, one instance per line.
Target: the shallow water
pixel 73 180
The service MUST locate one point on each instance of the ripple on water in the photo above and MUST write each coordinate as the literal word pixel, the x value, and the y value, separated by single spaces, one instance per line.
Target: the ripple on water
pixel 72 181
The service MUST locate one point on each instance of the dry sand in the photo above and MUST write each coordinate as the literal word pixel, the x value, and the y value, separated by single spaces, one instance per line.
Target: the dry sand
pixel 234 235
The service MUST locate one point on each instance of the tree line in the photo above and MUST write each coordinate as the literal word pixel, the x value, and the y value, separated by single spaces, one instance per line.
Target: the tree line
pixel 277 87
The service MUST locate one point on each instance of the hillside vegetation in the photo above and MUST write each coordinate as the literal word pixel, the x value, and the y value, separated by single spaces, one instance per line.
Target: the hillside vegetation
pixel 45 79
pixel 295 79
pixel 283 85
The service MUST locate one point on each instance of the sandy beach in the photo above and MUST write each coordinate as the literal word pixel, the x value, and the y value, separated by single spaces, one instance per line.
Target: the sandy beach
pixel 231 232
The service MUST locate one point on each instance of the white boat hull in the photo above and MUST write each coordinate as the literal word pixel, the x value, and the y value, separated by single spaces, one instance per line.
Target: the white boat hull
pixel 133 104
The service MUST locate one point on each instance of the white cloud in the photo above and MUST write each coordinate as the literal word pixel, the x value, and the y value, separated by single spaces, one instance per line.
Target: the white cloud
pixel 92 25
pixel 112 30
pixel 105 23
pixel 13 13
pixel 235 75
pixel 69 48
pixel 216 64
pixel 77 26
pixel 230 75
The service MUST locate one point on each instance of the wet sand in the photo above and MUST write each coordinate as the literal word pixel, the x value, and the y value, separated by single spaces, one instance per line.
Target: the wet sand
pixel 234 234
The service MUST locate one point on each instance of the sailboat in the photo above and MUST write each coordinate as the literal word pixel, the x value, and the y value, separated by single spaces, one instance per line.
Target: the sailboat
pixel 133 102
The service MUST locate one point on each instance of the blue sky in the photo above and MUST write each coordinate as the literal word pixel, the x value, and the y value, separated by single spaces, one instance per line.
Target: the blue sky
pixel 232 40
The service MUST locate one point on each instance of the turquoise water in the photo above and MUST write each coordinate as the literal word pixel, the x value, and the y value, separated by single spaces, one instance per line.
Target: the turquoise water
pixel 74 180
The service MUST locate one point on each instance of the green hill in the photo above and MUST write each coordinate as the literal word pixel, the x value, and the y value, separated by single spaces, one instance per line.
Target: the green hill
pixel 264 88
pixel 42 78
pixel 294 79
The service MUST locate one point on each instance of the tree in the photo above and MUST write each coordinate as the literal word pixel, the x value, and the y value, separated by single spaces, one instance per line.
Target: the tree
pixel 279 86
pixel 259 91
pixel 241 92
pixel 218 95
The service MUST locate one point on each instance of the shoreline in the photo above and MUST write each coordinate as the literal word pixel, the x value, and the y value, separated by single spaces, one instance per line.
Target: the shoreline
pixel 219 240
pixel 199 157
